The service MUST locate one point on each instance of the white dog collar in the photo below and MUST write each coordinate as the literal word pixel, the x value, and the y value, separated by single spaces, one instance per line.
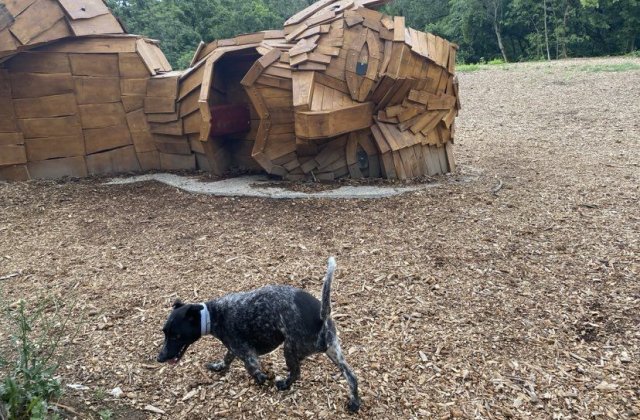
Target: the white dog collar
pixel 205 321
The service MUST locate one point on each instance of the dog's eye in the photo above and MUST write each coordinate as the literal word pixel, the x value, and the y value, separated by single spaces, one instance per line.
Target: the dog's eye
pixel 178 337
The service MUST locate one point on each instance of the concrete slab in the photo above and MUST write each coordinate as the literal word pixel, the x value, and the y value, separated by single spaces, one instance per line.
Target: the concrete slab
pixel 249 186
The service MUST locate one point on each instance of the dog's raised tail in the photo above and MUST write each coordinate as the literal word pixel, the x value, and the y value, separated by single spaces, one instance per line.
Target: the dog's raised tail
pixel 325 309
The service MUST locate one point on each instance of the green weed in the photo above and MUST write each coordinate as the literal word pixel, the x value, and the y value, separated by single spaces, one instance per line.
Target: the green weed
pixel 29 363
pixel 105 414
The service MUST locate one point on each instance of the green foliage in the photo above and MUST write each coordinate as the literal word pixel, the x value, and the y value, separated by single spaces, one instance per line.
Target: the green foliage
pixel 492 64
pixel 105 414
pixel 574 28
pixel 28 364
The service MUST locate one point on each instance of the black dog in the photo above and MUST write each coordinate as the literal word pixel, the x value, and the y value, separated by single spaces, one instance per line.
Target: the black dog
pixel 255 323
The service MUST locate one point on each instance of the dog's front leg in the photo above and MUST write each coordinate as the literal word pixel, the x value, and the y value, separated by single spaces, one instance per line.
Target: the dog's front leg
pixel 222 366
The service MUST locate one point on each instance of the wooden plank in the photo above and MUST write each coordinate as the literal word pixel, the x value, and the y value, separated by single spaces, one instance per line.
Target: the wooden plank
pixel 33 62
pixel 73 167
pixel 101 139
pixel 171 162
pixel 94 45
pixel 114 161
pixel 399 29
pixel 33 85
pixel 189 104
pixel 154 104
pixel 49 127
pixel 36 19
pixel 11 139
pixel 332 82
pixel 84 9
pixel 207 82
pixel 275 82
pixel 133 86
pixel 8 42
pixel 94 65
pixel 15 173
pixel 149 160
pixel 173 128
pixel 15 7
pixel 102 115
pixel 137 121
pixel 143 141
pixel 163 86
pixel 387 166
pixel 132 102
pixel 104 24
pixel 303 86
pixel 132 67
pixel 59 30
pixel 8 125
pixel 148 57
pixel 162 118
pixel 97 90
pixel 351 149
pixel 450 157
pixel 47 106
pixel 325 124
pixel 380 139
pixel 192 123
pixel 392 136
pixel 173 145
pixel 307 12
pixel 13 154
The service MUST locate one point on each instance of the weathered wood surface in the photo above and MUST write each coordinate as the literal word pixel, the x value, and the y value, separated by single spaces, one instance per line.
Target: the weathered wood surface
pixel 342 91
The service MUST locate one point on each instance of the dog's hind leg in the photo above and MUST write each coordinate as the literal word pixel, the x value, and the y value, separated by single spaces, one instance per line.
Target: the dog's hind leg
pixel 252 364
pixel 335 354
pixel 293 363
pixel 222 366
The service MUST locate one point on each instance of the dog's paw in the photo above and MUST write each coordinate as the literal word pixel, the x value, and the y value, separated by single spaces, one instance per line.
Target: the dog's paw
pixel 260 378
pixel 353 405
pixel 283 384
pixel 219 367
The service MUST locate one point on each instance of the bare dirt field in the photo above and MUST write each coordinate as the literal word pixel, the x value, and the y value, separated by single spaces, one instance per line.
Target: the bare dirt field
pixel 454 301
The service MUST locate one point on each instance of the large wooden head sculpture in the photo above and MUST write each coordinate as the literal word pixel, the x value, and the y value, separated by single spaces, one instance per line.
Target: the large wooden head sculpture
pixel 343 91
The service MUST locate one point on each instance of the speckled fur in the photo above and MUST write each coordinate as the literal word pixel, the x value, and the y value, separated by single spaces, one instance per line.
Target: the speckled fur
pixel 254 323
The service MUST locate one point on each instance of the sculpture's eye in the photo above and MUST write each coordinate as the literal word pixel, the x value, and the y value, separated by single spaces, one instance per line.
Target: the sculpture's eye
pixel 363 61
pixel 363 158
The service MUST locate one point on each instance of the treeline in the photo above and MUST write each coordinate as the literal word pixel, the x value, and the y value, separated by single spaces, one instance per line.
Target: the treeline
pixel 511 30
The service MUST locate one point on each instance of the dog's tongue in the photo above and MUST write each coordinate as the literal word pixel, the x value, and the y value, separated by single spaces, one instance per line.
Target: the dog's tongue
pixel 173 361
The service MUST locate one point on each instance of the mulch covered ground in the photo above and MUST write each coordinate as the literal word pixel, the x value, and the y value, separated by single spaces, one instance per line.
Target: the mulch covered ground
pixel 510 290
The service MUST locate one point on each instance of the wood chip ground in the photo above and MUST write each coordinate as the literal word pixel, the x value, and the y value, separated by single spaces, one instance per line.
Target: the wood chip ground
pixel 513 294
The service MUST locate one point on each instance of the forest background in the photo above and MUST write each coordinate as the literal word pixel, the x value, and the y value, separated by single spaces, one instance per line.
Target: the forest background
pixel 485 30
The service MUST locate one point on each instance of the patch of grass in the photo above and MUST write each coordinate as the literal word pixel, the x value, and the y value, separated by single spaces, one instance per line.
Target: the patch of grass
pixel 29 362
pixel 105 414
pixel 496 63
pixel 609 68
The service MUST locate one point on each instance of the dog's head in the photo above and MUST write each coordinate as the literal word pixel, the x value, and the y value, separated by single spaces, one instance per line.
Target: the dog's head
pixel 180 331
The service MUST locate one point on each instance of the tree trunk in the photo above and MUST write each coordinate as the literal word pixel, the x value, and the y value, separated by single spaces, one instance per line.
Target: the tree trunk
pixel 496 28
pixel 546 30
pixel 565 30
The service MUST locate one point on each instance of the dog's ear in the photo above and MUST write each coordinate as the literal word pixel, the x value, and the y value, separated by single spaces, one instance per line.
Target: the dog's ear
pixel 193 313
pixel 177 304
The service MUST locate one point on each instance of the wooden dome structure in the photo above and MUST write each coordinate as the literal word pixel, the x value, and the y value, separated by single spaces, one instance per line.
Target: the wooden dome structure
pixel 342 91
